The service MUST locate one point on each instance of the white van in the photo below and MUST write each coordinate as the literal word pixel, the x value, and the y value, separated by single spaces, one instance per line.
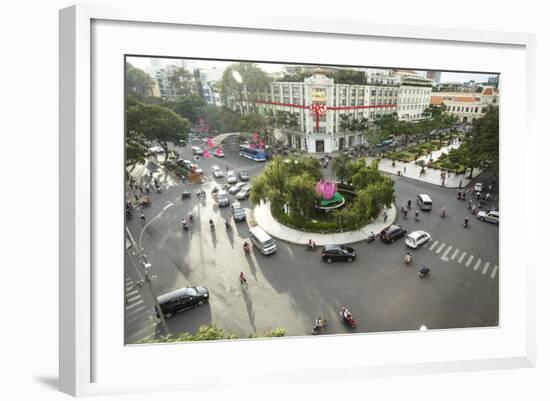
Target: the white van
pixel 424 202
pixel 261 240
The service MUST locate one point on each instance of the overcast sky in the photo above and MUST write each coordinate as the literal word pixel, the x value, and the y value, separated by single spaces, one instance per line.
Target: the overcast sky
pixel 145 64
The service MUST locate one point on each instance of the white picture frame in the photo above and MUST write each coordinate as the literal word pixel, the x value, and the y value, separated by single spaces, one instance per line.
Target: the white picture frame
pixel 89 367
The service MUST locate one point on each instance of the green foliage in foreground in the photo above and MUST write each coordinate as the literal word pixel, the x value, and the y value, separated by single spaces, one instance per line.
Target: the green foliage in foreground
pixel 209 332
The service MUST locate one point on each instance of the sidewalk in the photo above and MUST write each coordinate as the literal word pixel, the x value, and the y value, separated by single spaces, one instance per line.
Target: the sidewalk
pixel 262 215
pixel 432 176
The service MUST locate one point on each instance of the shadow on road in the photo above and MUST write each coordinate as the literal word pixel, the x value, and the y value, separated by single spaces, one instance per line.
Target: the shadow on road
pixel 249 308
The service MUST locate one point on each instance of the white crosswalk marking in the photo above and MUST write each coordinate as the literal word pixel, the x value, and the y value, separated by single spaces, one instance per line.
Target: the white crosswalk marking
pixel 440 248
pixel 477 264
pixel 486 267
pixel 469 260
pixel 454 254
pixel 433 245
pixel 444 257
pixel 494 273
pixel 134 304
pixel 462 257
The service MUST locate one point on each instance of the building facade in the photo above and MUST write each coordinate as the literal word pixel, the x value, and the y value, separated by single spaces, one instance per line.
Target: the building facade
pixel 466 106
pixel 322 109
pixel 414 95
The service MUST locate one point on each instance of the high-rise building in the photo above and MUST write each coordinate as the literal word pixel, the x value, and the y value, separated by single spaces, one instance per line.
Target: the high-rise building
pixel 434 76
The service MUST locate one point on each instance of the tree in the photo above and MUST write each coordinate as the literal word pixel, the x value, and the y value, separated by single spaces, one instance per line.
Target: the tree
pixel 188 107
pixel 301 196
pixel 341 168
pixel 155 123
pixel 254 79
pixel 182 81
pixel 138 83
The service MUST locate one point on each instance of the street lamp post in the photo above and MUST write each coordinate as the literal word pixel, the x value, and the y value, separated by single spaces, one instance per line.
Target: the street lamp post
pixel 146 265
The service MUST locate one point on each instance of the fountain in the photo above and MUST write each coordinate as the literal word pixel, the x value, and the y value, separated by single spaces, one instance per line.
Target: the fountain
pixel 331 199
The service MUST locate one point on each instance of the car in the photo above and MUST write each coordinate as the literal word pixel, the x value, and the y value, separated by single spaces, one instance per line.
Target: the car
pixel 179 300
pixel 238 212
pixel 243 175
pixel 417 238
pixel 184 163
pixel 478 187
pixel 196 169
pixel 182 142
pixel 492 216
pixel 244 193
pixel 217 172
pixel 236 188
pixel 231 177
pixel 155 149
pixel 196 150
pixel 391 233
pixel 332 253
pixel 222 198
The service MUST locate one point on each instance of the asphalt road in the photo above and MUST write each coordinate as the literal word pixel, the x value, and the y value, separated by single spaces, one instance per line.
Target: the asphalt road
pixel 290 288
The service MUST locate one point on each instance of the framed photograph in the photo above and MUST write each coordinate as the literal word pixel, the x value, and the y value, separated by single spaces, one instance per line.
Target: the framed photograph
pixel 247 195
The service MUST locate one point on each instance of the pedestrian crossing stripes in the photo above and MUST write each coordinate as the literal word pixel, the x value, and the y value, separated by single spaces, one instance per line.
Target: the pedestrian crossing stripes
pixel 449 253
pixel 454 254
pixel 477 264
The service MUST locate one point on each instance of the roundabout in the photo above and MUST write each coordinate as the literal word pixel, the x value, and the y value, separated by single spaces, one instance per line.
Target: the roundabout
pixel 263 217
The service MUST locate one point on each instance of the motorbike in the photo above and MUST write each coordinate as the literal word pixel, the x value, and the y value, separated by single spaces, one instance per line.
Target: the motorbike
pixel 215 190
pixel 408 259
pixel 370 238
pixel 201 193
pixel 212 226
pixel 443 213
pixel 350 322
pixel 319 325
pixel 311 247
pixel 185 195
pixel 466 223
pixel 424 272
pixel 246 248
pixel 227 225
pixel 185 225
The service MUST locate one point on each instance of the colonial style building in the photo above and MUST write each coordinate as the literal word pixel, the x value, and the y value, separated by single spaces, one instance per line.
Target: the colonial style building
pixel 414 95
pixel 467 107
pixel 322 109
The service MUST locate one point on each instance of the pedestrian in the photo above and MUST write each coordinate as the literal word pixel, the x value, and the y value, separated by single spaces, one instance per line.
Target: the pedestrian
pixel 226 167
pixel 487 197
pixel 385 216
pixel 142 217
pixel 460 184
pixel 490 188
pixel 136 195
pixel 404 169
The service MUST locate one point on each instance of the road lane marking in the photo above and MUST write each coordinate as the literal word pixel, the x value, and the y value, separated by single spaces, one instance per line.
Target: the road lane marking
pixel 461 257
pixel 477 264
pixel 131 293
pixel 440 248
pixel 494 273
pixel 134 305
pixel 454 254
pixel 444 257
pixel 469 260
pixel 130 300
pixel 433 245
pixel 486 267
pixel 135 311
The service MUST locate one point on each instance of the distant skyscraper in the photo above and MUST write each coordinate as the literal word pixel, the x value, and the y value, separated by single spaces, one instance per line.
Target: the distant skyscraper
pixel 434 75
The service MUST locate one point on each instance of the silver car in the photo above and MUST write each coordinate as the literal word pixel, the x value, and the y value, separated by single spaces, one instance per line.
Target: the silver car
pixel 231 177
pixel 492 216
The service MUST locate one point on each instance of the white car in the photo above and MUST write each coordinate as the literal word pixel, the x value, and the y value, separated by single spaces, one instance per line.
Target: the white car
pixel 217 172
pixel 417 239
pixel 231 177
pixel 244 193
pixel 196 150
pixel 236 188
pixel 156 149
pixel 222 198
pixel 492 216
pixel 478 187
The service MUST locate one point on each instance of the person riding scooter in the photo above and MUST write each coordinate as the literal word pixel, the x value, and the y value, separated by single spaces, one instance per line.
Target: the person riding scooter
pixel 424 272
pixel 311 244
pixel 443 212
pixel 319 324
pixel 184 224
pixel 408 258
pixel 246 247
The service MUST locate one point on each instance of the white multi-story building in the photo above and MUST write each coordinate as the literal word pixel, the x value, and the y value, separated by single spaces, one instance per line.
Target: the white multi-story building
pixel 321 108
pixel 466 106
pixel 414 95
pixel 207 78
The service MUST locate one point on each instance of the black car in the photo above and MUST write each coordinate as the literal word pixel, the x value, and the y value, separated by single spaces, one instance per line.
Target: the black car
pixel 337 252
pixel 182 299
pixel 391 233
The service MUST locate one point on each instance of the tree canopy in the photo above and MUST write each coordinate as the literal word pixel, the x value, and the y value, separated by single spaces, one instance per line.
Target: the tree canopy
pixel 138 83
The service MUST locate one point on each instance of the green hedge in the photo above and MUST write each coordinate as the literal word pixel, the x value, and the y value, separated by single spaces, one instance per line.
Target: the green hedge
pixel 303 224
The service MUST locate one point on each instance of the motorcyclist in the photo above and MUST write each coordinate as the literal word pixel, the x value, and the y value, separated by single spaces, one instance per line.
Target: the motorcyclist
pixel 311 244
pixel 190 216
pixel 346 314
pixel 466 222
pixel 227 225
pixel 424 271
pixel 246 247
pixel 211 222
pixel 443 211
pixel 371 236
pixel 409 203
pixel 408 258
pixel 319 322
pixel 416 215
pixel 184 223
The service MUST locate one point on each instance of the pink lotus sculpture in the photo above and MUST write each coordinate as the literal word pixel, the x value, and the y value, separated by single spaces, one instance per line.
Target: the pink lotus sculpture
pixel 326 189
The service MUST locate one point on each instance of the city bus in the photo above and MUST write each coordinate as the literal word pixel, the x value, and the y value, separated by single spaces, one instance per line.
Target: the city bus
pixel 257 155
